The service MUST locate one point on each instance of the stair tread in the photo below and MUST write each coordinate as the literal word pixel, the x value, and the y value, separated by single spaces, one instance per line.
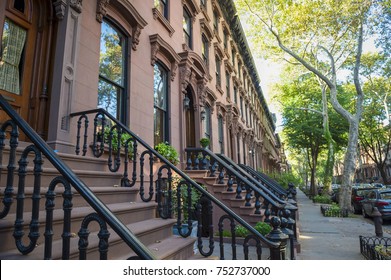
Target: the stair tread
pixel 137 228
pixel 78 212
pixel 165 248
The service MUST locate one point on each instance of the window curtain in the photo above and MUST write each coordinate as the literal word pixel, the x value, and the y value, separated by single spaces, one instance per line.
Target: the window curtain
pixel 12 45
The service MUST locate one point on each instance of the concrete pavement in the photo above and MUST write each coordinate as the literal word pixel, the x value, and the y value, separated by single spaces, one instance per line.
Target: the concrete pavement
pixel 329 238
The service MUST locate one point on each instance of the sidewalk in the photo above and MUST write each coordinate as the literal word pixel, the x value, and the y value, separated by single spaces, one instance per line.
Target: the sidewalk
pixel 329 238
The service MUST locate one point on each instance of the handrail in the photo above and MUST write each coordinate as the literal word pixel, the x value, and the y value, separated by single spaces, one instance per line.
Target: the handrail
pixel 183 175
pixel 128 237
pixel 245 173
pixel 265 179
pixel 266 194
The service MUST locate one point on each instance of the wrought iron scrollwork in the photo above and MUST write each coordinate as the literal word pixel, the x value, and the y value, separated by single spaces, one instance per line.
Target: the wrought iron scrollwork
pixel 67 208
pixel 103 236
pixel 9 189
pixel 34 223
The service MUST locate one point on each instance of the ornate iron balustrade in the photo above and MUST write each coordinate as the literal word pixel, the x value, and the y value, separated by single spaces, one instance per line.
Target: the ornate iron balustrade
pixel 273 189
pixel 68 178
pixel 172 189
pixel 228 173
pixel 265 180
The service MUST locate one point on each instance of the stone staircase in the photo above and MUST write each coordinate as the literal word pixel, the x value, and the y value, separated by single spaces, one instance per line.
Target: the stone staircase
pixel 140 217
pixel 228 197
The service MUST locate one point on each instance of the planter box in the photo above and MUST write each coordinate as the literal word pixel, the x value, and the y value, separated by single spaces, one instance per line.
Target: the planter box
pixel 368 245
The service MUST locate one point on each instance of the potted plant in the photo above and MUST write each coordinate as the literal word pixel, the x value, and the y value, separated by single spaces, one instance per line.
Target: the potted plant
pixel 204 142
pixel 167 151
pixel 114 140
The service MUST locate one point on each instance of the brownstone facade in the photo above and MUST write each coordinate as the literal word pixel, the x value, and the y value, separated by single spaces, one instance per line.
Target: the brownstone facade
pixel 171 70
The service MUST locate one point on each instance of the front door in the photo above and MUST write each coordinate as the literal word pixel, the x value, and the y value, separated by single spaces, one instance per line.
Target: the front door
pixel 23 63
pixel 190 122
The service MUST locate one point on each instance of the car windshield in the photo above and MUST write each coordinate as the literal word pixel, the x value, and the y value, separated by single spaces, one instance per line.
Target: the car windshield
pixel 385 195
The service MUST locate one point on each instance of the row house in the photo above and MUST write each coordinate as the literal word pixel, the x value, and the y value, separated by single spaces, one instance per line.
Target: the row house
pixel 173 71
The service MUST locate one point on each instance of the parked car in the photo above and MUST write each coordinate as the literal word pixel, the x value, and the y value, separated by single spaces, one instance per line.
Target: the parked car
pixel 380 198
pixel 358 194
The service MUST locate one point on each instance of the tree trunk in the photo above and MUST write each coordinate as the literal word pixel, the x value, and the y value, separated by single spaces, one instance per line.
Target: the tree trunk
pixel 383 173
pixel 349 167
pixel 328 174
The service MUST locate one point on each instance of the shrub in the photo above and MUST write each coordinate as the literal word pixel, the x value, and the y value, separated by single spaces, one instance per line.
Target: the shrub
pixel 284 178
pixel 263 228
pixel 322 199
pixel 114 140
pixel 167 151
pixel 241 231
pixel 204 142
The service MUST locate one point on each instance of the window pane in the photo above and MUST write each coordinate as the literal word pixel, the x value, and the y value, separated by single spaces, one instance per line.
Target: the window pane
pixel 12 46
pixel 207 122
pixel 160 104
pixel 111 64
pixel 160 87
pixel 108 96
pixel 186 28
pixel 111 90
pixel 159 126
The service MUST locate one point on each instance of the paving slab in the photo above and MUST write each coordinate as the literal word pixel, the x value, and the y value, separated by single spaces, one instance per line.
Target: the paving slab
pixel 329 238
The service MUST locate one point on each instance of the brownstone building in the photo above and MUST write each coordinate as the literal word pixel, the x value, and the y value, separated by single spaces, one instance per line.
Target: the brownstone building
pixel 172 71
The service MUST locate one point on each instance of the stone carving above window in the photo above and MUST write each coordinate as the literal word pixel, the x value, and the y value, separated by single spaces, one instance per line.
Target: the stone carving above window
pixel 158 45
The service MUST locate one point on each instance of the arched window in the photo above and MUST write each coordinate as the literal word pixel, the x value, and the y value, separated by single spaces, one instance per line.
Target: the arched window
pixel 160 110
pixel 112 71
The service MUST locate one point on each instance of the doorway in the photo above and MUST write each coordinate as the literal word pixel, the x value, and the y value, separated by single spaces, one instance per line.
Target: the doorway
pixel 189 119
pixel 24 59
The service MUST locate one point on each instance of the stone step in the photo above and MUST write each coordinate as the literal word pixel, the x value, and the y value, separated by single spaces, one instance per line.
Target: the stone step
pixel 107 195
pixel 72 160
pixel 90 178
pixel 128 212
pixel 150 232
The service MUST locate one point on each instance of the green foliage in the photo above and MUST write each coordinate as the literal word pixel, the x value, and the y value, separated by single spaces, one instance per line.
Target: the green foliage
pixel 384 251
pixel 241 231
pixel 167 151
pixel 204 142
pixel 263 228
pixel 114 140
pixel 322 199
pixel 284 178
pixel 184 199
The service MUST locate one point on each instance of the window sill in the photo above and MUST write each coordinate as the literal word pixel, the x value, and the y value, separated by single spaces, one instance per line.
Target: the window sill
pixel 157 15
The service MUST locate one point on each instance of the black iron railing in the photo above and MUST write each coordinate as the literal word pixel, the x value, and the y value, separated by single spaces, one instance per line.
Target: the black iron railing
pixel 267 181
pixel 176 194
pixel 375 248
pixel 237 181
pixel 68 178
pixel 275 191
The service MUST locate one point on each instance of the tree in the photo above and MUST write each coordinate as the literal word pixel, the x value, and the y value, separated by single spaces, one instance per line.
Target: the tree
pixel 375 128
pixel 327 32
pixel 303 120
